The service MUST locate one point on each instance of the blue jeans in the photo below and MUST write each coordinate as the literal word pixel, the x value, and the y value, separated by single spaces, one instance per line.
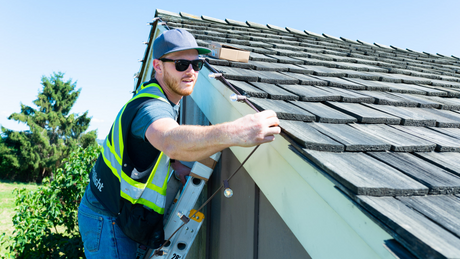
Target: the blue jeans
pixel 102 238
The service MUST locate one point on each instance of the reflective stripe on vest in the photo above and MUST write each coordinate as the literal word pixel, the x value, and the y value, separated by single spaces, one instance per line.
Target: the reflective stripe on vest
pixel 152 193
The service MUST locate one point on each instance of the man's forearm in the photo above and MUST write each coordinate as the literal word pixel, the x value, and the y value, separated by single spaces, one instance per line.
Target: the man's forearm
pixel 191 143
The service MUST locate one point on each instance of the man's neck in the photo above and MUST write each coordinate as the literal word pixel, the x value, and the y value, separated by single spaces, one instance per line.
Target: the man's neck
pixel 172 97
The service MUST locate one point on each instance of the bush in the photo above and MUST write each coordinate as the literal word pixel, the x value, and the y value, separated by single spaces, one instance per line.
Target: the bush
pixel 46 224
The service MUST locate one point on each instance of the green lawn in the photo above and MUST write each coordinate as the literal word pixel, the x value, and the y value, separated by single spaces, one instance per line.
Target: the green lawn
pixel 7 199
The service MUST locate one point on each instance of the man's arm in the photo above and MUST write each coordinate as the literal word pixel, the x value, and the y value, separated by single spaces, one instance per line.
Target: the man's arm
pixel 192 143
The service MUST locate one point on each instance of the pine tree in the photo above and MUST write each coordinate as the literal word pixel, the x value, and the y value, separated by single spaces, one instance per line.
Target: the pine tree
pixel 52 135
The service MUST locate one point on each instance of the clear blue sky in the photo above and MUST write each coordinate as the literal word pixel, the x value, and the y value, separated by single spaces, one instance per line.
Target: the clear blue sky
pixel 98 43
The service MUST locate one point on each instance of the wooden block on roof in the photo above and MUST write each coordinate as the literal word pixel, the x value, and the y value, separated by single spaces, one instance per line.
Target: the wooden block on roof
pixel 324 113
pixel 420 235
pixel 308 137
pixel 353 139
pixel 444 143
pixel 364 175
pixel 284 110
pixel 399 140
pixel 365 114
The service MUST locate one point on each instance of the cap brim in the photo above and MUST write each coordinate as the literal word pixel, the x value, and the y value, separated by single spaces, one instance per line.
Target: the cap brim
pixel 200 50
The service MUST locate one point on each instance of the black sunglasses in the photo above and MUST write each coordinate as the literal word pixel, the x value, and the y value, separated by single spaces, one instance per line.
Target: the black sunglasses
pixel 182 64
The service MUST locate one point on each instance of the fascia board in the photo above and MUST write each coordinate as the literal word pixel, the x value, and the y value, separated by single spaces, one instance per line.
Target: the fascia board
pixel 323 219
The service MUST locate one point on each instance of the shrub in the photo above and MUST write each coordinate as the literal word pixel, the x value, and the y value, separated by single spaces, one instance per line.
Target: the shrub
pixel 46 224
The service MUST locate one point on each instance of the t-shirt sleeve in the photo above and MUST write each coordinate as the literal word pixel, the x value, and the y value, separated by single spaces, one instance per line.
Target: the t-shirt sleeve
pixel 150 112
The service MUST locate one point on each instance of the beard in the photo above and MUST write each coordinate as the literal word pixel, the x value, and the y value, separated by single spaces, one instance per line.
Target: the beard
pixel 174 84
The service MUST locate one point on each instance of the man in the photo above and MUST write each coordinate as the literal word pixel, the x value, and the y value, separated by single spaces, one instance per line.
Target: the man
pixel 124 202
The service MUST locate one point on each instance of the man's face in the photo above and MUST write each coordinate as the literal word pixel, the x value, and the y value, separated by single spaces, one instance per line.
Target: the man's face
pixel 180 83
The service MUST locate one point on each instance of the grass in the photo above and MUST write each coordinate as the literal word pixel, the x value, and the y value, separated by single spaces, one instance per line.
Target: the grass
pixel 7 206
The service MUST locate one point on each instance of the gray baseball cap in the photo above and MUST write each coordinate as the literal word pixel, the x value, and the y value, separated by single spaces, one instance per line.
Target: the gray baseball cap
pixel 175 40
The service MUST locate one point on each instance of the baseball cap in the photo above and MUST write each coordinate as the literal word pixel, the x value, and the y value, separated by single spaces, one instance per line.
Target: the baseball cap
pixel 175 40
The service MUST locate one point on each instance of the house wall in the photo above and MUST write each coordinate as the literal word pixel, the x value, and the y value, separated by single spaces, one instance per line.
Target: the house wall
pixel 245 226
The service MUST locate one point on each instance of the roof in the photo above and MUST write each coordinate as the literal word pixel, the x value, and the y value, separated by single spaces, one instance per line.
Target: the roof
pixel 382 121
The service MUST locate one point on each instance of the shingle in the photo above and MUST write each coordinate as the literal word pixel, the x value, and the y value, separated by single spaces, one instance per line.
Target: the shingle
pixel 324 113
pixel 248 90
pixel 237 73
pixel 409 116
pixel 423 237
pixel 324 71
pixel 365 114
pixel 421 101
pixel 349 96
pixel 361 75
pixel 284 110
pixel 436 179
pixel 447 161
pixel 310 93
pixel 364 175
pixel 400 141
pixel 443 210
pixel 445 119
pixel 284 59
pixel 309 137
pixel 306 80
pixel 338 82
pixel 371 85
pixel 274 77
pixel 260 57
pixel 443 142
pixel 445 103
pixel 268 66
pixel 383 98
pixel 275 92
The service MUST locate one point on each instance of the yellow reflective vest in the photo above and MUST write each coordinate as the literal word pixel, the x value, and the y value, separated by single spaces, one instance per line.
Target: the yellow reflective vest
pixel 112 180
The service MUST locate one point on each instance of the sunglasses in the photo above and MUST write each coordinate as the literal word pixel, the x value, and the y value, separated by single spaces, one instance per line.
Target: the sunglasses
pixel 182 64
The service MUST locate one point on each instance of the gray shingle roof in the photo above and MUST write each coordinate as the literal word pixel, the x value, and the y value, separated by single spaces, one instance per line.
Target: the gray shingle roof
pixel 382 121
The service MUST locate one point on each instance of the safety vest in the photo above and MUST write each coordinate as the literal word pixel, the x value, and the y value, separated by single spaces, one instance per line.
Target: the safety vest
pixel 112 180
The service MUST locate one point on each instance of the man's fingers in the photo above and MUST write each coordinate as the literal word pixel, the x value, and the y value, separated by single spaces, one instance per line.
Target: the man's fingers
pixel 273 130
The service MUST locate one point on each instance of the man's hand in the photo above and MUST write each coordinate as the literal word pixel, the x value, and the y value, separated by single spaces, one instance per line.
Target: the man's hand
pixel 181 171
pixel 255 129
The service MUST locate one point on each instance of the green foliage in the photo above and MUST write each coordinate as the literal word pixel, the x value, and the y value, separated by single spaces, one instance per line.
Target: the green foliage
pixel 53 132
pixel 46 223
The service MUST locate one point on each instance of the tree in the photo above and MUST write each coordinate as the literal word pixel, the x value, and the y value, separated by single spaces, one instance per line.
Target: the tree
pixel 53 132
pixel 46 223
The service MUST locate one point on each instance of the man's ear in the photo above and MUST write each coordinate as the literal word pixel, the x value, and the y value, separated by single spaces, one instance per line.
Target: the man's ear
pixel 158 66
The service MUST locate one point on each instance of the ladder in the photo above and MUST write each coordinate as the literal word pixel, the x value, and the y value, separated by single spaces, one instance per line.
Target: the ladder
pixel 180 243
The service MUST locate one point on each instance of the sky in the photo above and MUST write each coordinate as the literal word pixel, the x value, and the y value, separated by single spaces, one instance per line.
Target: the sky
pixel 98 43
